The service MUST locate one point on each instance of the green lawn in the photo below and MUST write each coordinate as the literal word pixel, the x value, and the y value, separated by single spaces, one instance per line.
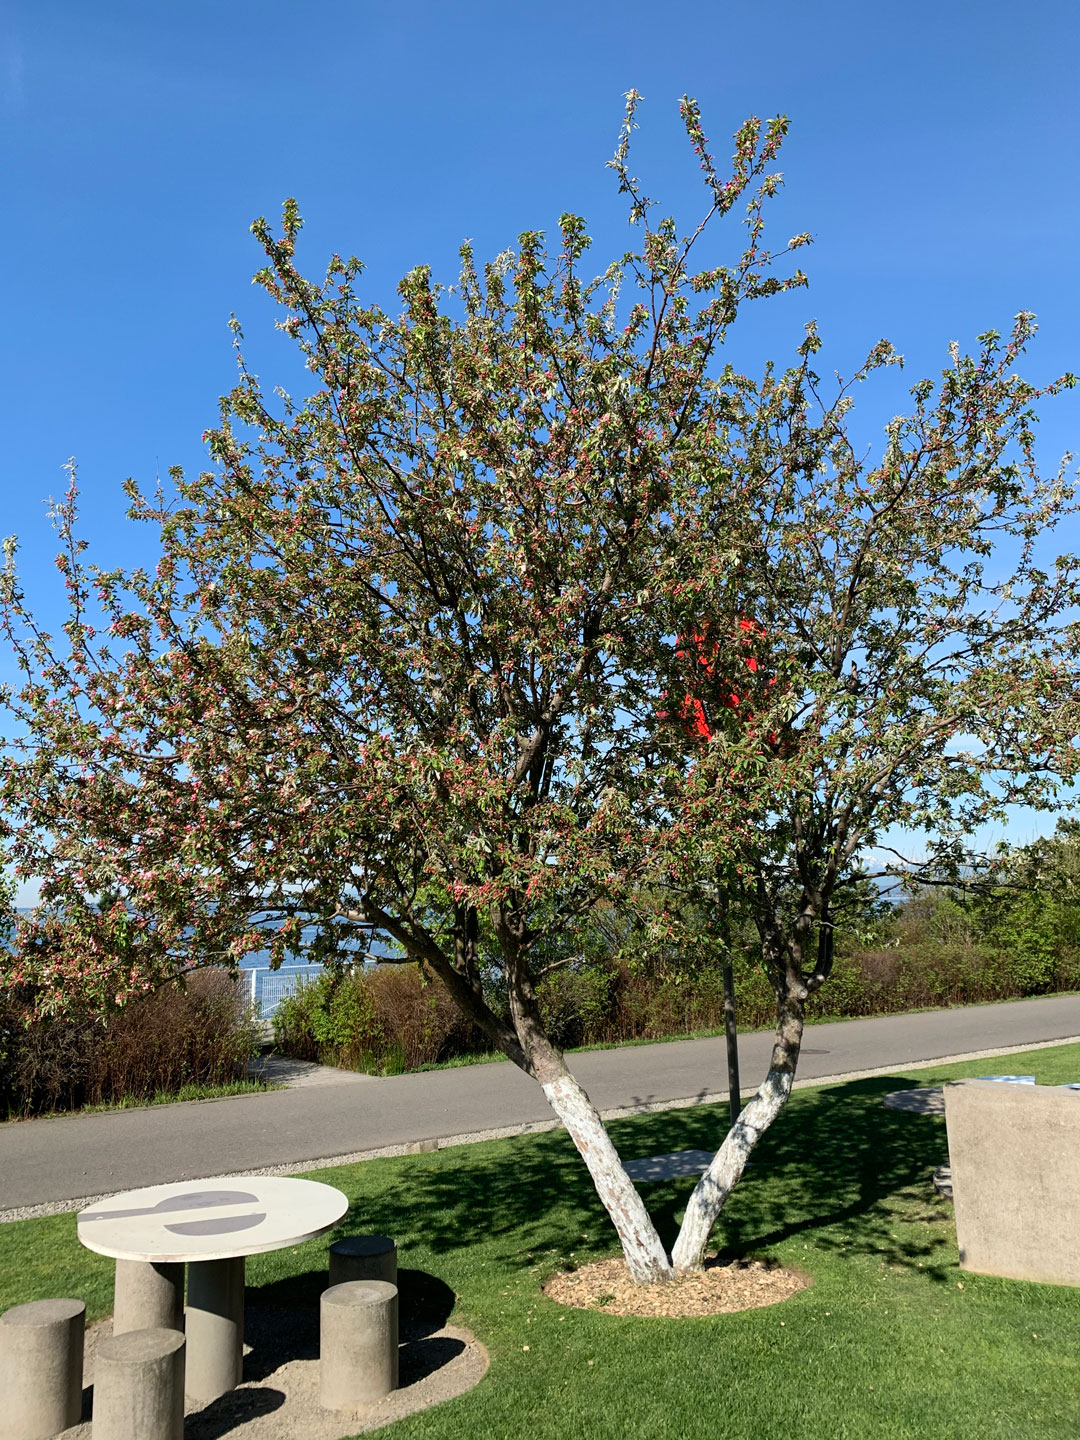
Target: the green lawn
pixel 891 1340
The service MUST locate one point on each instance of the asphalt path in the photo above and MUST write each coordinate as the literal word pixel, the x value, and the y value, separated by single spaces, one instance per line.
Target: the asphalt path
pixel 46 1162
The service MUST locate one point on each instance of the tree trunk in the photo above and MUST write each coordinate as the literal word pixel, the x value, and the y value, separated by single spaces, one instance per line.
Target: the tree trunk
pixel 645 1255
pixel 729 1162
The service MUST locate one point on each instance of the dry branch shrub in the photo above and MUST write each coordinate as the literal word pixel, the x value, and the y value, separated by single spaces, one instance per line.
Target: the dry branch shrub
pixel 201 1034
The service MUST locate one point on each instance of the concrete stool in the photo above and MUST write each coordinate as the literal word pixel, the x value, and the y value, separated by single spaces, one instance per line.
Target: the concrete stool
pixel 148 1295
pixel 41 1368
pixel 358 1343
pixel 215 1327
pixel 139 1386
pixel 363 1257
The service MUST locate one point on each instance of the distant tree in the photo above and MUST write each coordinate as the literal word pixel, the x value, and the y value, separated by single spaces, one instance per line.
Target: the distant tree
pixel 381 675
pixel 1028 905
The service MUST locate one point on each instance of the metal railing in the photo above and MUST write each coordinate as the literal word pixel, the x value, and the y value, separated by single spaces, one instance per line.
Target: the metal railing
pixel 267 988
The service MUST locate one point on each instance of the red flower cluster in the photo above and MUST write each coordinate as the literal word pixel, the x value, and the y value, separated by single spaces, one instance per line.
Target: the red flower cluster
pixel 722 693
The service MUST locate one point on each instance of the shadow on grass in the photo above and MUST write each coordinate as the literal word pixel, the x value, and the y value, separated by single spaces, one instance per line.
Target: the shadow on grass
pixel 425 1303
pixel 828 1165
pixel 282 1322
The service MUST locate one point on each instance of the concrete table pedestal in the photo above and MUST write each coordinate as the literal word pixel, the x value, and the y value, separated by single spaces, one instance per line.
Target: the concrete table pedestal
pixel 215 1327
pixel 148 1295
pixel 41 1368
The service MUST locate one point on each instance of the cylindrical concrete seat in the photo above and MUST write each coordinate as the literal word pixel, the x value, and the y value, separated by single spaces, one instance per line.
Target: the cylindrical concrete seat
pixel 41 1368
pixel 363 1257
pixel 139 1386
pixel 358 1343
pixel 149 1295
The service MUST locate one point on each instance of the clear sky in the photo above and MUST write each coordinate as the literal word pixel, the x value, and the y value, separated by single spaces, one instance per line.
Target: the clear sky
pixel 932 154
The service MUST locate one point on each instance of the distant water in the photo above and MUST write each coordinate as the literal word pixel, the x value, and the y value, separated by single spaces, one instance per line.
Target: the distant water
pixel 259 959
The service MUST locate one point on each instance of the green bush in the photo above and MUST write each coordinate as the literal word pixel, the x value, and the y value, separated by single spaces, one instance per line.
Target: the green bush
pixel 385 1021
pixel 379 1021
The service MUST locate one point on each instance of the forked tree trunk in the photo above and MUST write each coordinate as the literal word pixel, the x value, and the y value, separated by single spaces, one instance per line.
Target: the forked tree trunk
pixel 729 1162
pixel 645 1255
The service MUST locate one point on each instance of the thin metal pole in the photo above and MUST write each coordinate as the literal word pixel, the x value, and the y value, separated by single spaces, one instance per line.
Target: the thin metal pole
pixel 730 1030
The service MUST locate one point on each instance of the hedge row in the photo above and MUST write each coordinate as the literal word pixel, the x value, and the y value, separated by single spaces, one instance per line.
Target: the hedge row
pixel 394 1019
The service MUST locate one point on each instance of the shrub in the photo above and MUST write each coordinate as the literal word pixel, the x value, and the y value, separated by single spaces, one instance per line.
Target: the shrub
pixel 199 1034
pixel 940 949
pixel 379 1021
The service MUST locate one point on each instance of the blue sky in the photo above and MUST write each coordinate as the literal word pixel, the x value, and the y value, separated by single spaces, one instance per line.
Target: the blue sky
pixel 932 154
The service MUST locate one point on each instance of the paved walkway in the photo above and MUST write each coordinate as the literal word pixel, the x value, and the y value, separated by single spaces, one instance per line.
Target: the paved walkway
pixel 52 1163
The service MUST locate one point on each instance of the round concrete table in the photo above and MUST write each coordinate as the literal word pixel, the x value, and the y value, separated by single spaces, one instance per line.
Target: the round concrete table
pixel 209 1226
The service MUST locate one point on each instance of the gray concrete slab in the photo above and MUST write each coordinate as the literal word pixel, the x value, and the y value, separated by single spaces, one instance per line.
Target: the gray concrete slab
pixel 930 1101
pixel 666 1167
pixel 63 1159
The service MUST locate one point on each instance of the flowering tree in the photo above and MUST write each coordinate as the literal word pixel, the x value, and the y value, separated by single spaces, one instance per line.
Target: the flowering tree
pixel 382 674
pixel 401 660
pixel 909 659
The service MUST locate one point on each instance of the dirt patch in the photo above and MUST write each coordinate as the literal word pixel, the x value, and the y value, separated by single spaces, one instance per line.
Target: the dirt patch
pixel 722 1287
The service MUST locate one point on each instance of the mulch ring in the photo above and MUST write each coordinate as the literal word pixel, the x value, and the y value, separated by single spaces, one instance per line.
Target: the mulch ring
pixel 723 1287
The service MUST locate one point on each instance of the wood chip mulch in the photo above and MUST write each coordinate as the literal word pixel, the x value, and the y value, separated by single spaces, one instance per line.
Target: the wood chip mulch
pixel 722 1287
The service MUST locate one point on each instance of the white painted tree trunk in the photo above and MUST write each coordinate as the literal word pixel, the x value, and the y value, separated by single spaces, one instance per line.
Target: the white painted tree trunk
pixel 726 1170
pixel 645 1255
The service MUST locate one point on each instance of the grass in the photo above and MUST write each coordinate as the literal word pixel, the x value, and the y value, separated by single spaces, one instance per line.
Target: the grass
pixel 167 1097
pixel 892 1340
pixel 187 1092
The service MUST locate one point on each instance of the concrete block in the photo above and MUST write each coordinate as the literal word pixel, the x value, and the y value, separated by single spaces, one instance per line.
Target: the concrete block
pixel 363 1257
pixel 1014 1151
pixel 41 1368
pixel 139 1386
pixel 148 1295
pixel 215 1327
pixel 358 1344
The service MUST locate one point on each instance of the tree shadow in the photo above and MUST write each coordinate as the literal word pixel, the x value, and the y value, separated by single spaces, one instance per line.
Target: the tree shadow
pixel 828 1165
pixel 838 1164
